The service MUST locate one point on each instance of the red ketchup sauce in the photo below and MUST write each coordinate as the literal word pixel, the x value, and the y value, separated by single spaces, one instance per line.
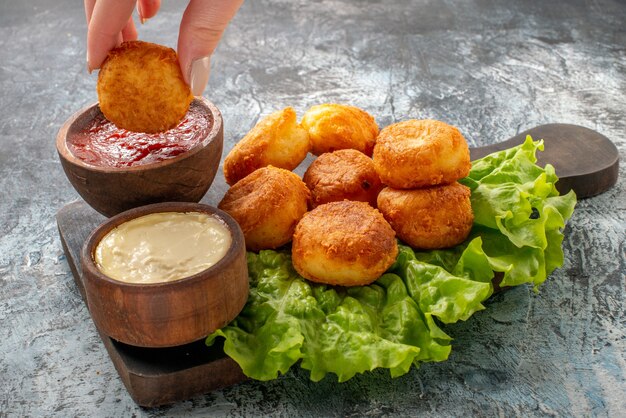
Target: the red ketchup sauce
pixel 103 144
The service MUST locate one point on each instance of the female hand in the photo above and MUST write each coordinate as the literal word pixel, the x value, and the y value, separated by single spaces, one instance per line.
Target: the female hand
pixel 204 21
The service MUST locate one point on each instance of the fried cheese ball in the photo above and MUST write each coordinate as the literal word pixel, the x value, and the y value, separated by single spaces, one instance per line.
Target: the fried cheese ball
pixel 429 218
pixel 267 204
pixel 343 243
pixel 420 153
pixel 141 88
pixel 345 174
pixel 336 126
pixel 276 140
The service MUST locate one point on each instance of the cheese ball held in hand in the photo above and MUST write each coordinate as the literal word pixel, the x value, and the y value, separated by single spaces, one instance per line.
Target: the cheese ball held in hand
pixel 267 204
pixel 342 175
pixel 333 127
pixel 343 243
pixel 141 88
pixel 420 153
pixel 429 218
pixel 276 140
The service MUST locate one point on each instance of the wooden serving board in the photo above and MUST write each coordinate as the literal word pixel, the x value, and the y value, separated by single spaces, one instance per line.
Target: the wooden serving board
pixel 585 161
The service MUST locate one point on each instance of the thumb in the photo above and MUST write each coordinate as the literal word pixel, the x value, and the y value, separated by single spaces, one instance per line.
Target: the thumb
pixel 201 29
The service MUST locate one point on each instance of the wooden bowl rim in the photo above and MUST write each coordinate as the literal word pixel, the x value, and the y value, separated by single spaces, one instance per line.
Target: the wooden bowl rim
pixel 66 154
pixel 237 245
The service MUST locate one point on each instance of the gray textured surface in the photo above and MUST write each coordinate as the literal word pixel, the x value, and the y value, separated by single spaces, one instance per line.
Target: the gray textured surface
pixel 492 68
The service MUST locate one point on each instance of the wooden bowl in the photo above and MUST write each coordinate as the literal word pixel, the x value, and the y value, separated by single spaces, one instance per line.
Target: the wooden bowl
pixel 169 313
pixel 184 178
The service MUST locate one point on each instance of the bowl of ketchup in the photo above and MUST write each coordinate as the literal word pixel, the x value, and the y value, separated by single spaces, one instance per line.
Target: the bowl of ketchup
pixel 114 170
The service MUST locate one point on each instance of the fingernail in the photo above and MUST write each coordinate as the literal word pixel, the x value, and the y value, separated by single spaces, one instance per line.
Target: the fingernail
pixel 140 13
pixel 200 69
pixel 89 69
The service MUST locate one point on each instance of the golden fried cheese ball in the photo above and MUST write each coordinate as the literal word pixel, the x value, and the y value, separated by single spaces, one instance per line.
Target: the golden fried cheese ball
pixel 267 204
pixel 141 88
pixel 343 243
pixel 420 153
pixel 336 126
pixel 429 218
pixel 344 174
pixel 276 140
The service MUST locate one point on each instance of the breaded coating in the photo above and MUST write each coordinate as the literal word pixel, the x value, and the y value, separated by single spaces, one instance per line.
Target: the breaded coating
pixel 345 174
pixel 343 243
pixel 336 126
pixel 141 88
pixel 429 218
pixel 420 153
pixel 267 204
pixel 276 140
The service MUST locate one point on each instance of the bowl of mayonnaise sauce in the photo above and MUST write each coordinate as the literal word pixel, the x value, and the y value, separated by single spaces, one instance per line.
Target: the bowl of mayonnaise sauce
pixel 165 274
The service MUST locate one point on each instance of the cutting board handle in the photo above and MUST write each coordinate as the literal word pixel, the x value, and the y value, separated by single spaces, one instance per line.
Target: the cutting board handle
pixel 585 160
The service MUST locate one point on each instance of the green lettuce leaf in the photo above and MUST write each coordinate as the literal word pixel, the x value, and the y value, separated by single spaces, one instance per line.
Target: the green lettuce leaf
pixel 393 323
pixel 519 214
pixel 438 292
pixel 331 329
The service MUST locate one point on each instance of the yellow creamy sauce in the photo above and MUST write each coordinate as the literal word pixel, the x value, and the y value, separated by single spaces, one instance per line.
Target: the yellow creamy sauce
pixel 162 247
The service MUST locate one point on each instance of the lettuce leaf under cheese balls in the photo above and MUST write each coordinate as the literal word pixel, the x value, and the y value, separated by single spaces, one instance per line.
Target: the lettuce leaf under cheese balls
pixel 394 322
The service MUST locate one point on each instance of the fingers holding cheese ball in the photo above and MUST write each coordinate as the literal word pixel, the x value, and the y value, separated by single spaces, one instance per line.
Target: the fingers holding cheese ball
pixel 343 243
pixel 276 140
pixel 333 127
pixel 344 174
pixel 429 218
pixel 267 204
pixel 420 153
pixel 140 103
